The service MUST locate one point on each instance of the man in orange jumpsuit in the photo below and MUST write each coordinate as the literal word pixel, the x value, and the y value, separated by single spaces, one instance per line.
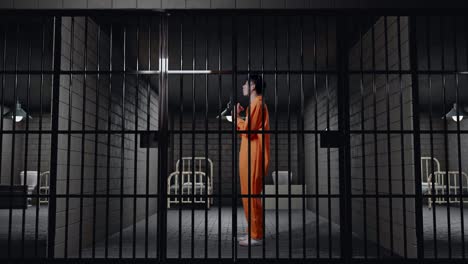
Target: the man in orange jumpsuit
pixel 256 119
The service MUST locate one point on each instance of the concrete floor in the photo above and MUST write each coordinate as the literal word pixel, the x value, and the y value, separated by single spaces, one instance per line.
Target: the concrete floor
pixel 16 243
pixel 226 247
pixel 441 241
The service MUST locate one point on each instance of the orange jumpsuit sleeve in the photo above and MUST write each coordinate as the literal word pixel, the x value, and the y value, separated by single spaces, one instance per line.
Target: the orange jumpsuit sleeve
pixel 255 120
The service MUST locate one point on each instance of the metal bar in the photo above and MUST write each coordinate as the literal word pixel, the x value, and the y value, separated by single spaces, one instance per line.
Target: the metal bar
pixel 26 148
pixel 317 230
pixel 163 132
pixel 460 180
pixel 194 54
pixel 389 157
pixel 206 140
pixel 83 138
pixel 220 60
pixel 96 125
pixel 276 139
pixel 228 72
pixel 148 124
pixel 181 112
pixel 344 152
pixel 109 94
pixel 234 139
pixel 69 117
pixel 328 149
pixel 253 195
pixel 213 131
pixel 444 96
pixel 428 53
pixel 12 169
pixel 2 106
pixel 135 164
pixel 416 138
pixel 288 80
pixel 248 115
pixel 39 151
pixel 402 141
pixel 363 139
pixel 263 139
pixel 302 140
pixel 57 51
pixel 122 140
pixel 376 161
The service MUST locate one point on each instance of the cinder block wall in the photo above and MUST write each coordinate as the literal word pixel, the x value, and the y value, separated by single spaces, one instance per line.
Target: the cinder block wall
pixel 114 156
pixel 376 161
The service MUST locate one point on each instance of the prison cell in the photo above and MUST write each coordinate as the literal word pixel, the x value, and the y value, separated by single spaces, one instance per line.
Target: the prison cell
pixel 113 144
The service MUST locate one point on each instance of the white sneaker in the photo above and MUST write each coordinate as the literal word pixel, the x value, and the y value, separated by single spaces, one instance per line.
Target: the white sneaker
pixel 240 238
pixel 253 242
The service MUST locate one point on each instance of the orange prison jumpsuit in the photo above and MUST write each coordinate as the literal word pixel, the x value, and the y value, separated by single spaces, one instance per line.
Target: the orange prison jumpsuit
pixel 257 152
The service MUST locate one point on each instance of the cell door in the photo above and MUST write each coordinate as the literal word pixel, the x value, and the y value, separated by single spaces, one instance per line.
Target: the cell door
pixel 210 57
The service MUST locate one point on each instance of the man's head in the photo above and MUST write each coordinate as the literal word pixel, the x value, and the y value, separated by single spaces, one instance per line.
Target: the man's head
pixel 256 84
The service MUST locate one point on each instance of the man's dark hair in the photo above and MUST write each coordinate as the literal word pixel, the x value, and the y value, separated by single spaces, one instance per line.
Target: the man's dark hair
pixel 259 84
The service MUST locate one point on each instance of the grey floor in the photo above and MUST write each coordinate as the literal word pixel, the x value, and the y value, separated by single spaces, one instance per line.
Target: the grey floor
pixel 443 241
pixel 440 243
pixel 31 246
pixel 225 248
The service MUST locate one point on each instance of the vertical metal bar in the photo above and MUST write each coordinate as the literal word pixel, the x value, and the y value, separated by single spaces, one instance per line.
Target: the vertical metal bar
pixel 363 137
pixel 288 79
pixel 460 179
pixel 416 136
pixel 276 138
pixel 444 97
pixel 328 149
pixel 234 138
pixel 96 137
pixel 402 141
pixel 12 170
pixel 148 123
pixel 207 198
pixel 181 112
pixel 163 132
pixel 220 60
pixel 26 148
pixel 39 149
pixel 69 117
pixel 249 169
pixel 57 51
pixel 344 151
pixel 302 135
pixel 316 153
pixel 376 161
pixel 109 94
pixel 83 138
pixel 2 106
pixel 389 157
pixel 431 135
pixel 135 157
pixel 122 140
pixel 263 138
pixel 193 176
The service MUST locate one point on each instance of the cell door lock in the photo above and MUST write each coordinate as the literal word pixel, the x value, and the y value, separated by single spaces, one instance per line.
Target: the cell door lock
pixel 331 139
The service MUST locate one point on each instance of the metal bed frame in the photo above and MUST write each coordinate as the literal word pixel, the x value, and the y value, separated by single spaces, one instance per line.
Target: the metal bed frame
pixel 444 183
pixel 182 180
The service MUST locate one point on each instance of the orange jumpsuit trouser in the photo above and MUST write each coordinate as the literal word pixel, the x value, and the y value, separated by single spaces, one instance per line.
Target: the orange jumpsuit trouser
pixel 257 171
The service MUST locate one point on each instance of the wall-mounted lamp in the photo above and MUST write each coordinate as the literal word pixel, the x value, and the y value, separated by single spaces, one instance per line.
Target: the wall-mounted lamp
pixel 17 114
pixel 456 115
